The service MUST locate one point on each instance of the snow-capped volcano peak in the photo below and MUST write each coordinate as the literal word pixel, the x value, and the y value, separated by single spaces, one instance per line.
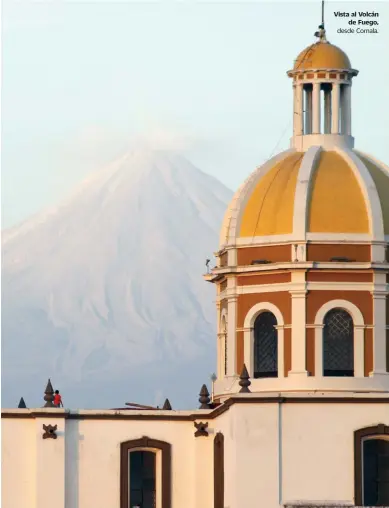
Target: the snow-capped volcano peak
pixel 108 284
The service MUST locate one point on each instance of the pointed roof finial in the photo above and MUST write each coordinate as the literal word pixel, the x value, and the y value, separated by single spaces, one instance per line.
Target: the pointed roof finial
pixel 166 405
pixel 244 380
pixel 204 398
pixel 49 395
pixel 22 404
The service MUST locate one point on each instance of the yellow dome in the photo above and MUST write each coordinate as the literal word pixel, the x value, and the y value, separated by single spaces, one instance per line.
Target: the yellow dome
pixel 269 210
pixel 322 55
pixel 337 204
pixel 317 192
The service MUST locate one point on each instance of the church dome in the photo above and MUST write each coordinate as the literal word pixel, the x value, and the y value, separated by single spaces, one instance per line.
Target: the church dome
pixel 302 265
pixel 319 192
pixel 322 55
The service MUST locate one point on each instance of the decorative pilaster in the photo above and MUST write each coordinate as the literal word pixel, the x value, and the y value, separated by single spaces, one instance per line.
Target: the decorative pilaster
pixel 327 111
pixel 359 350
pixel 335 102
pixel 348 131
pixel 308 111
pixel 316 108
pixel 298 110
pixel 219 350
pixel 346 110
pixel 298 328
pixel 231 329
pixel 319 350
pixel 280 350
pixel 379 334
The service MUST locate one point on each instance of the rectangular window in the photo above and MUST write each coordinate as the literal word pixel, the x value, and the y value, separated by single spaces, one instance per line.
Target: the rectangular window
pixel 376 472
pixel 142 479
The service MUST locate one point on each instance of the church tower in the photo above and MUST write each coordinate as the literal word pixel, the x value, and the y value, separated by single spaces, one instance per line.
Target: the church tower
pixel 302 267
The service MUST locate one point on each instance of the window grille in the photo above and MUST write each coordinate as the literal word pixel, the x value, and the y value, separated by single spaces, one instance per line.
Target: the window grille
pixel 265 346
pixel 338 344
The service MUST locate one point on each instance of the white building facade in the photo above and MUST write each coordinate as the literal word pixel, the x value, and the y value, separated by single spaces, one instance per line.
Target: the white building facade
pixel 300 411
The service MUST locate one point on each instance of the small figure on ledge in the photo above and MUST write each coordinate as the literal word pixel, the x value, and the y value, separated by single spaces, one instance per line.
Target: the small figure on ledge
pixel 57 399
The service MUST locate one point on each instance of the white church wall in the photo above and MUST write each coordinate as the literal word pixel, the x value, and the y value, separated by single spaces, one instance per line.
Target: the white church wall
pixel 203 475
pixel 274 454
pixel 94 449
pixel 283 453
pixel 318 448
pixel 255 442
pixel 50 464
pixel 18 463
pixel 81 468
pixel 226 425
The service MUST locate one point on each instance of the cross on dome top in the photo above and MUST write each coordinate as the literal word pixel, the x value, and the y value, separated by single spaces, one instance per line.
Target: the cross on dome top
pixel 321 33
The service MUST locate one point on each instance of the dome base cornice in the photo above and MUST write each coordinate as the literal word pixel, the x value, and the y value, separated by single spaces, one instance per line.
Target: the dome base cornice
pixel 325 141
pixel 376 383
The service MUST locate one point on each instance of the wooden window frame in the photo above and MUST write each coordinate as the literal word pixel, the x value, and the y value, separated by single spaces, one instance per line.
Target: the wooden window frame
pixel 376 431
pixel 145 443
pixel 218 471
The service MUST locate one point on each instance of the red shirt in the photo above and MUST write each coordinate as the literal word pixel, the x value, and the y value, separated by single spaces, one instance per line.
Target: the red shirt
pixel 57 399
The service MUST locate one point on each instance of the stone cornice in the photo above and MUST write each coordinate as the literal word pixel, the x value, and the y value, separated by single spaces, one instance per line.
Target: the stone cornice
pixel 251 398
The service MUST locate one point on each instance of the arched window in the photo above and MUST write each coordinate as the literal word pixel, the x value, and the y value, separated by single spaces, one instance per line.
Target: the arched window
pixel 371 455
pixel 338 344
pixel 265 346
pixel 145 480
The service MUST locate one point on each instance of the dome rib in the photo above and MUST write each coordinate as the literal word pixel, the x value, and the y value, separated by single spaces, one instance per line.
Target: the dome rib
pixel 380 175
pixel 369 190
pixel 303 192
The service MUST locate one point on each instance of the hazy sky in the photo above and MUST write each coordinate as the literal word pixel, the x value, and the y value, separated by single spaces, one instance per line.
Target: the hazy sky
pixel 85 81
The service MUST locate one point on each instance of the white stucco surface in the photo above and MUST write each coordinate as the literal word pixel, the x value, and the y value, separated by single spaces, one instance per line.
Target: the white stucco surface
pixel 18 469
pixel 276 452
pixel 95 448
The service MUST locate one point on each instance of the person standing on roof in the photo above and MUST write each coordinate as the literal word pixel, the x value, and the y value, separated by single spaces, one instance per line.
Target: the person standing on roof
pixel 57 399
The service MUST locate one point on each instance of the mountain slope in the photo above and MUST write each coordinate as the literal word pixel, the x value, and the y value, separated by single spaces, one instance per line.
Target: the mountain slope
pixel 104 293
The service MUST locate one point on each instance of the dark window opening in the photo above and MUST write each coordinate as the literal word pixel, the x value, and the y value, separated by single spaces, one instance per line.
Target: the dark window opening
pixel 376 472
pixel 338 344
pixel 142 479
pixel 218 471
pixel 265 346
